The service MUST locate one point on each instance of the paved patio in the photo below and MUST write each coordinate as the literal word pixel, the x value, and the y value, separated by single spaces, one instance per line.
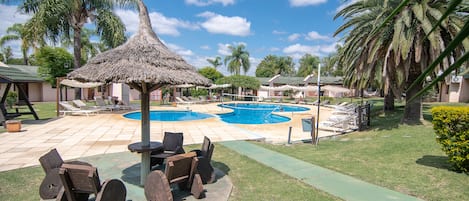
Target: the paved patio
pixel 82 136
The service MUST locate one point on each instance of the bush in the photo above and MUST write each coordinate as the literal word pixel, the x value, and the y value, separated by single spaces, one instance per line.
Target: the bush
pixel 11 98
pixel 451 125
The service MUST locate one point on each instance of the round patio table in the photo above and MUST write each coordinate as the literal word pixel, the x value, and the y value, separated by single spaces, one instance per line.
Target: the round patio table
pixel 139 148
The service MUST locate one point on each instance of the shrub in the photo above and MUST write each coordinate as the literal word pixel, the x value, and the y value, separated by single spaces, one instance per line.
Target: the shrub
pixel 11 98
pixel 451 125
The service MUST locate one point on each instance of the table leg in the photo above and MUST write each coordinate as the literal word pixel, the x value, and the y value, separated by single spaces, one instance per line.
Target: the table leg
pixel 145 167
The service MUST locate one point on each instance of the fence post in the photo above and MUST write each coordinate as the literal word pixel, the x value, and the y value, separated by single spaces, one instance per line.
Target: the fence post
pixel 289 135
pixel 313 131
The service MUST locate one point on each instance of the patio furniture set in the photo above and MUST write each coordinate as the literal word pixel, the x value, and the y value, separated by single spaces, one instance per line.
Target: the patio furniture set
pixel 77 180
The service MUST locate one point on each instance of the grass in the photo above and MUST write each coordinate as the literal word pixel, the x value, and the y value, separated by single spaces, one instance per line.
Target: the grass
pixel 400 157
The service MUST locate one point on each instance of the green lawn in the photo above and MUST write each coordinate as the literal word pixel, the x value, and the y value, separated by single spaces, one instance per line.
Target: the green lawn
pixel 400 157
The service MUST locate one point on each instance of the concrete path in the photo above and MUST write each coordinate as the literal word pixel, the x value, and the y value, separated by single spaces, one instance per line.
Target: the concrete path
pixel 340 185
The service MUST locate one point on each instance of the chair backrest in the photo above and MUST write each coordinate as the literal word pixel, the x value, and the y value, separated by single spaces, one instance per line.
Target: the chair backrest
pixel 99 101
pixel 79 103
pixel 178 99
pixel 210 152
pixel 205 146
pixel 79 179
pixel 67 106
pixel 181 167
pixel 51 160
pixel 173 141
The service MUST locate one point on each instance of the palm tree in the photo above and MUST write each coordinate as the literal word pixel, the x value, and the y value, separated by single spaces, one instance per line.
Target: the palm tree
pixel 55 18
pixel 215 62
pixel 405 45
pixel 17 32
pixel 239 57
pixel 89 49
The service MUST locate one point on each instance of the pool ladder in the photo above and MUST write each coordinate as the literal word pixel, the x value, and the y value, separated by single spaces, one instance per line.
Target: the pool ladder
pixel 265 116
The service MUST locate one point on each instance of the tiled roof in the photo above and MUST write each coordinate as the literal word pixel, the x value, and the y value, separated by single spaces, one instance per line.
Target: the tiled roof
pixel 299 80
pixel 19 74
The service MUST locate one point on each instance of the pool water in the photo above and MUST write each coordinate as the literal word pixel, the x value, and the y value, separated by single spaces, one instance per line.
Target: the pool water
pixel 253 113
pixel 169 115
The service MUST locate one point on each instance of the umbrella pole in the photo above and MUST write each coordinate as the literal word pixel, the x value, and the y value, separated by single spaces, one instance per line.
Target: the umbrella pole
pixel 145 165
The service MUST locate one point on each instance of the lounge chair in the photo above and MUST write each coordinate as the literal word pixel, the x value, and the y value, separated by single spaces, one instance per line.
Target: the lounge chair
pixel 74 110
pixel 179 100
pixel 79 181
pixel 172 144
pixel 102 105
pixel 204 168
pixel 180 169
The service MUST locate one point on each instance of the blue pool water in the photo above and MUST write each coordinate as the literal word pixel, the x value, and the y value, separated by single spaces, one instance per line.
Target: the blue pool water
pixel 169 115
pixel 253 113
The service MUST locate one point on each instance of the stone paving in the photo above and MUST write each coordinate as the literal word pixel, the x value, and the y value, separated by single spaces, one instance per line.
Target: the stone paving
pixel 82 136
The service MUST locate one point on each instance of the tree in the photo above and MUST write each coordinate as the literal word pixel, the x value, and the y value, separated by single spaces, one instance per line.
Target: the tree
pixel 273 65
pixel 215 62
pixel 53 63
pixel 54 18
pixel 239 57
pixel 242 81
pixel 404 46
pixel 308 65
pixel 7 54
pixel 210 73
pixel 18 32
pixel 89 49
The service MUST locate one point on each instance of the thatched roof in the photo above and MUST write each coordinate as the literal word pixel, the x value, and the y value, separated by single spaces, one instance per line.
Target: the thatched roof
pixel 142 59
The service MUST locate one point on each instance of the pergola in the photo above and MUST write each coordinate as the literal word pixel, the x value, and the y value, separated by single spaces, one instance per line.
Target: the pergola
pixel 13 76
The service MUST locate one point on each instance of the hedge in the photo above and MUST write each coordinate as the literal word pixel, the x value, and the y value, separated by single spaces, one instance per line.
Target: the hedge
pixel 451 125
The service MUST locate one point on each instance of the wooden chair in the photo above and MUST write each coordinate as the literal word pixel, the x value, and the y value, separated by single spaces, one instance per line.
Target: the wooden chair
pixel 172 143
pixel 204 167
pixel 181 170
pixel 79 181
pixel 51 184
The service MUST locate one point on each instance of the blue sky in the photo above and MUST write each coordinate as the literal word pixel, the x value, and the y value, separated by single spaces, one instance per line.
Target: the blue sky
pixel 202 29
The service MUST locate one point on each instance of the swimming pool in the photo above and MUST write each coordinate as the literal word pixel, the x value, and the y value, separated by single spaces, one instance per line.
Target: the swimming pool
pixel 254 113
pixel 169 115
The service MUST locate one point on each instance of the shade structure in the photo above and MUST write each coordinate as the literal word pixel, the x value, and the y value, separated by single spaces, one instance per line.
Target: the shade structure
pixel 336 89
pixel 75 83
pixel 145 64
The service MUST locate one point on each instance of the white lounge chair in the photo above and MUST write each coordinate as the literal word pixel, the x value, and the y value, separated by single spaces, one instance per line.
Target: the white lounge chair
pixel 179 100
pixel 67 108
pixel 102 105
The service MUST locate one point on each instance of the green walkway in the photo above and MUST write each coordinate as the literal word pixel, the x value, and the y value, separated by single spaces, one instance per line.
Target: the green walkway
pixel 339 185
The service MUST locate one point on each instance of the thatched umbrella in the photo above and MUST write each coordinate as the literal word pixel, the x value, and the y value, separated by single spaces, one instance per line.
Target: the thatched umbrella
pixel 145 64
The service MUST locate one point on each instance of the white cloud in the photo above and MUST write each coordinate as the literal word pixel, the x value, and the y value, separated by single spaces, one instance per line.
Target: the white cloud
pixel 179 50
pixel 313 35
pixel 276 32
pixel 293 37
pixel 223 49
pixel 210 2
pixel 329 48
pixel 160 23
pixel 205 47
pixel 296 51
pixel 219 24
pixel 347 3
pixel 299 3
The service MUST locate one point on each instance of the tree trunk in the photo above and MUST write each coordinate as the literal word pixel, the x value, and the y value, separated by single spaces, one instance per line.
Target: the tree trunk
pixel 413 109
pixel 77 55
pixel 25 56
pixel 389 101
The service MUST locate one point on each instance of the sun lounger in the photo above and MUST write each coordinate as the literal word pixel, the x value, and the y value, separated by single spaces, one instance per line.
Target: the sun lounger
pixel 67 108
pixel 102 105
pixel 179 100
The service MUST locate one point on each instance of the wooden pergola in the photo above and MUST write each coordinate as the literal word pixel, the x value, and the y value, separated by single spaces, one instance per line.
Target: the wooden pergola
pixel 16 77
